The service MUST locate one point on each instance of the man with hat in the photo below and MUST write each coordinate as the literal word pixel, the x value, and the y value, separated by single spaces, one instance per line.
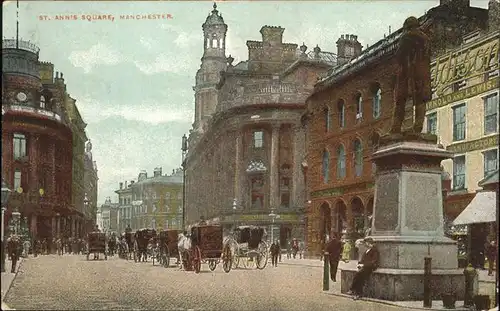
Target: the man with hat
pixel 334 249
pixel 13 246
pixel 368 263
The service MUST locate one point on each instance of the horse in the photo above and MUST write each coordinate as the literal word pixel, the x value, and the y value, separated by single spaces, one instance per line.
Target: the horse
pixel 184 247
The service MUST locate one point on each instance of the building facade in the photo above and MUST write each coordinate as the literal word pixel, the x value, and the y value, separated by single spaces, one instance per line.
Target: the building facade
pixel 90 187
pixel 464 114
pixel 349 111
pixel 151 202
pixel 36 141
pixel 244 165
pixel 108 218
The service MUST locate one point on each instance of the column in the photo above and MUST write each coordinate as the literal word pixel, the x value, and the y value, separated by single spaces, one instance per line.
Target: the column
pixel 52 160
pixel 33 225
pixel 54 227
pixel 274 168
pixel 237 168
pixel 33 159
pixel 298 185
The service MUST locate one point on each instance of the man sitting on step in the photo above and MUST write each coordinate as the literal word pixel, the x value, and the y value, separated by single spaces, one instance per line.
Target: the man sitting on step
pixel 368 263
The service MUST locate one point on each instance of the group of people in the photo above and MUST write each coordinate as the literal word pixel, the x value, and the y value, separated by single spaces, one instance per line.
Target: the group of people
pixel 294 248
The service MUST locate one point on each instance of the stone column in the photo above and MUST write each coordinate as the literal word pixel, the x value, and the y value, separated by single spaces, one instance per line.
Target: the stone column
pixel 33 159
pixel 54 227
pixel 33 225
pixel 274 168
pixel 52 158
pixel 298 185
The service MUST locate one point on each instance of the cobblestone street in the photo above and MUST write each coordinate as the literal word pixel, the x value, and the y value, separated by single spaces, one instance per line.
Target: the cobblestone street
pixel 71 282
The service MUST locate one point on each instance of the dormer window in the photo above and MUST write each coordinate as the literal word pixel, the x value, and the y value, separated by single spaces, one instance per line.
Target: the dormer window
pixel 42 102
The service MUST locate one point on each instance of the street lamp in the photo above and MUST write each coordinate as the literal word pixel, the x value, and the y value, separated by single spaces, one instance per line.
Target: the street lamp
pixel 273 218
pixel 235 207
pixel 5 197
pixel 85 206
pixel 184 149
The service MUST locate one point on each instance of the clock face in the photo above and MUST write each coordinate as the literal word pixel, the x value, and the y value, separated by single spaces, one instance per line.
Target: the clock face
pixel 21 96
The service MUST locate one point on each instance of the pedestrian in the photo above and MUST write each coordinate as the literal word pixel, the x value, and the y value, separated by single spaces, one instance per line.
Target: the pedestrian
pixel 13 245
pixel 275 250
pixel 36 247
pixel 278 244
pixel 288 249
pixel 59 247
pixel 334 249
pixel 491 253
pixel 301 249
pixel 26 248
pixel 369 263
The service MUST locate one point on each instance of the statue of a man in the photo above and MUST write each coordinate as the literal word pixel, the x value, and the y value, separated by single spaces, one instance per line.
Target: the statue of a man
pixel 414 75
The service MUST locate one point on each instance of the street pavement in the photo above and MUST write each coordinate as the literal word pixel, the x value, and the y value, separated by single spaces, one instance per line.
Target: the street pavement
pixel 72 282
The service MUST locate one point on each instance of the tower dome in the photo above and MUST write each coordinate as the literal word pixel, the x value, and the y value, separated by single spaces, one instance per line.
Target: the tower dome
pixel 214 18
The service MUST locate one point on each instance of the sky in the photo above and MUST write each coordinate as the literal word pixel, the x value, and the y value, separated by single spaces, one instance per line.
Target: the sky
pixel 132 79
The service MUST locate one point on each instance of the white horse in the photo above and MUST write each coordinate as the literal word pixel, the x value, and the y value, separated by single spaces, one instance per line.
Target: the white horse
pixel 184 246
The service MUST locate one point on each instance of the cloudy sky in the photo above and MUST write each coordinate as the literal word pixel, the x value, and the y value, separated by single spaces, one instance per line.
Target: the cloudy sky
pixel 133 79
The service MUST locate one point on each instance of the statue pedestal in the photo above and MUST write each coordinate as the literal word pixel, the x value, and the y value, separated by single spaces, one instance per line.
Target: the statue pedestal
pixel 408 222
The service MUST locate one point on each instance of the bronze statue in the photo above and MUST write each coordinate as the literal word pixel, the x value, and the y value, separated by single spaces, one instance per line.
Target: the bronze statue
pixel 414 75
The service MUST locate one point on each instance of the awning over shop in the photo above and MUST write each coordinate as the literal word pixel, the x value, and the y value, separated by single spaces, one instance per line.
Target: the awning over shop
pixel 482 209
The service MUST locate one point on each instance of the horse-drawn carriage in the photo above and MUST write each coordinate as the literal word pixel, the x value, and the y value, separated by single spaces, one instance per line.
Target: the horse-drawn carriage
pixel 248 246
pixel 142 239
pixel 205 245
pixel 97 242
pixel 166 247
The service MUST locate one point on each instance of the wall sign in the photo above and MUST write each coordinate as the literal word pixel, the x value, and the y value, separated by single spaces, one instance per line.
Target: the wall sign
pixel 478 144
pixel 335 192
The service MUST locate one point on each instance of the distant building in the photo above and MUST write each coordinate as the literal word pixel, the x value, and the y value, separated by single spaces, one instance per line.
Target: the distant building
pixel 109 216
pixel 90 183
pixel 154 202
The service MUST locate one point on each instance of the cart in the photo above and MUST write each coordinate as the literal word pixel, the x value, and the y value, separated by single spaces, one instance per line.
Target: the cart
pixel 207 247
pixel 167 247
pixel 141 241
pixel 248 247
pixel 97 242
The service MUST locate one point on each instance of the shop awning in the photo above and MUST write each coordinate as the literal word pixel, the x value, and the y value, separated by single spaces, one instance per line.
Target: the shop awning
pixel 482 209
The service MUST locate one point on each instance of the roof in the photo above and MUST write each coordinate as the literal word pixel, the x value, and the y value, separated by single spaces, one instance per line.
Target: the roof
pixel 214 18
pixel 490 179
pixel 482 209
pixel 176 178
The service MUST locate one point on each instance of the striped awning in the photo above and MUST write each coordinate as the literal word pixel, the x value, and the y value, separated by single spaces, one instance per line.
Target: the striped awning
pixel 482 209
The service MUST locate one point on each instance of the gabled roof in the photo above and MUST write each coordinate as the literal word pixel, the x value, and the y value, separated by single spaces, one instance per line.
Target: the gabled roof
pixel 490 179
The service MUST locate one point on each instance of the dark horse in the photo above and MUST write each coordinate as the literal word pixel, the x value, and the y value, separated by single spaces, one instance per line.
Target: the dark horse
pixel 142 238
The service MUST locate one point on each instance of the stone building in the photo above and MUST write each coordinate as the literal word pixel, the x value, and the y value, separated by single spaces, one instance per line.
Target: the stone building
pixel 154 202
pixel 90 187
pixel 108 220
pixel 36 141
pixel 464 114
pixel 247 146
pixel 348 112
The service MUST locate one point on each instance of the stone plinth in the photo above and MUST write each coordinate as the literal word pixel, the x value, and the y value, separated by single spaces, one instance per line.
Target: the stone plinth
pixel 408 221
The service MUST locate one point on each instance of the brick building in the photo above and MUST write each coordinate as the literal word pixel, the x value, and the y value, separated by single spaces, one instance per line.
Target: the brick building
pixel 36 141
pixel 349 111
pixel 247 146
pixel 154 202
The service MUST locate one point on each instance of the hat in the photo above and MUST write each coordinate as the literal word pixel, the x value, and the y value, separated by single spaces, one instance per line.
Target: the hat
pixel 368 239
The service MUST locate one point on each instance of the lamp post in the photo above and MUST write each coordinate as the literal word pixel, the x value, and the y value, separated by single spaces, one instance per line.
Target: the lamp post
pixel 85 206
pixel 5 197
pixel 184 149
pixel 273 216
pixel 235 207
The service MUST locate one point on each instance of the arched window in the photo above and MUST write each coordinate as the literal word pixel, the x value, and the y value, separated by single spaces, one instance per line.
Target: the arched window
pixel 377 97
pixel 326 113
pixel 17 179
pixel 42 102
pixel 341 113
pixel 326 165
pixel 359 107
pixel 341 168
pixel 358 158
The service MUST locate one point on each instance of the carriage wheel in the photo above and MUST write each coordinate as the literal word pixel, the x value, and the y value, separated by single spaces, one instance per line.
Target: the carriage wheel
pixel 197 259
pixel 235 255
pixel 227 258
pixel 212 264
pixel 88 256
pixel 166 258
pixel 262 255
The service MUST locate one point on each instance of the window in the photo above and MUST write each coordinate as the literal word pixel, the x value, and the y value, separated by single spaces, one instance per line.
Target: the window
pixel 490 161
pixel 153 223
pixel 154 207
pixel 490 113
pixel 179 195
pixel 167 195
pixel 359 107
pixel 358 158
pixel 285 182
pixel 42 102
pixel 180 209
pixel 326 165
pixel 459 172
pixel 257 193
pixel 258 139
pixel 341 114
pixel 326 113
pixel 432 123
pixel 17 179
pixel 376 103
pixel 459 122
pixel 285 200
pixel 341 169
pixel 19 146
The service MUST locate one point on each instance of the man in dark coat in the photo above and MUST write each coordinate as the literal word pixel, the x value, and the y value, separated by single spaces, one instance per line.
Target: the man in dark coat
pixel 491 253
pixel 368 263
pixel 334 249
pixel 275 250
pixel 13 245
pixel 414 75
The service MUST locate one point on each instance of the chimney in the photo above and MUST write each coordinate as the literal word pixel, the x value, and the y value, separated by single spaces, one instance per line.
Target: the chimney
pixel 348 48
pixel 272 34
pixel 157 171
pixel 121 186
pixel 131 183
